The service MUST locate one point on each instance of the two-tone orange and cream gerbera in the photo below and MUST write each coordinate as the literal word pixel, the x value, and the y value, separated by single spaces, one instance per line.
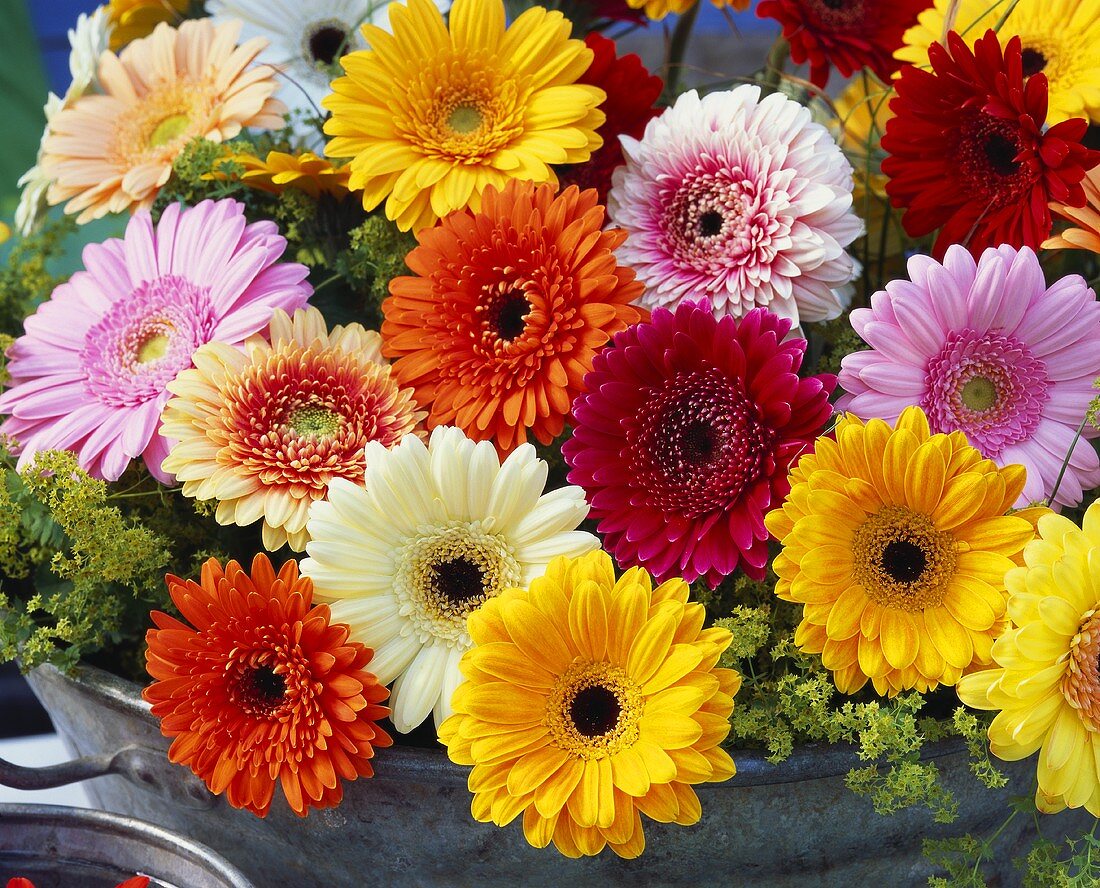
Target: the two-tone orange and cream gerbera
pixel 113 151
pixel 263 431
pixel 1085 234
pixel 259 688
pixel 431 117
pixel 508 309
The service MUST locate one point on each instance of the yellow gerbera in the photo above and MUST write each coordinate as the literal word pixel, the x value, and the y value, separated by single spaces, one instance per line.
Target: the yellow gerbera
pixel 658 9
pixel 897 543
pixel 589 701
pixel 431 117
pixel 1061 38
pixel 279 171
pixel 1046 683
pixel 133 19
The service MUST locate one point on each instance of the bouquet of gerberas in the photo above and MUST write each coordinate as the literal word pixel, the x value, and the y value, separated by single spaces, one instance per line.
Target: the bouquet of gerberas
pixel 471 313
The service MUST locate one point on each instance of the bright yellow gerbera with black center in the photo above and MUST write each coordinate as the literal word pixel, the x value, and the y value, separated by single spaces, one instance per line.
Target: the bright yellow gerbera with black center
pixel 897 543
pixel 431 117
pixel 1047 679
pixel 589 701
pixel 1061 38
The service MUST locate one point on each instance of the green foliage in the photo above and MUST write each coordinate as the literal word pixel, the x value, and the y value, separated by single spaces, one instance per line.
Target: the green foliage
pixel 375 256
pixel 959 858
pixel 26 279
pixel 975 733
pixel 1076 864
pixel 191 180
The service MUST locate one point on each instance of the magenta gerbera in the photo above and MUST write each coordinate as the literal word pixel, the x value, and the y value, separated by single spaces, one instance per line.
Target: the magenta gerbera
pixel 986 348
pixel 90 374
pixel 742 200
pixel 685 436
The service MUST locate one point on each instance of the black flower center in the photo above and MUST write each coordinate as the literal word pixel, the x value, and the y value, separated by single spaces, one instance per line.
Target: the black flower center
pixel 835 4
pixel 1034 62
pixel 710 223
pixel 509 316
pixel 268 686
pixel 1000 151
pixel 459 580
pixel 697 442
pixel 595 711
pixel 326 43
pixel 903 561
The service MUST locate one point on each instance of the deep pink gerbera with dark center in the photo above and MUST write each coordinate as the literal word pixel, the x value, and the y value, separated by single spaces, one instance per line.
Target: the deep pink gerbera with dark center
pixel 685 436
pixel 968 150
pixel 844 34
pixel 631 91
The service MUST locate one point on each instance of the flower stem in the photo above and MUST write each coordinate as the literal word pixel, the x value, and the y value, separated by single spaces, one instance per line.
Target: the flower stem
pixel 676 49
pixel 776 60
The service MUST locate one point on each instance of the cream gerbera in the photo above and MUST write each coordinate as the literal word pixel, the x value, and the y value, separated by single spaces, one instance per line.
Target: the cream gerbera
pixel 1046 678
pixel 112 152
pixel 431 116
pixel 436 531
pixel 264 431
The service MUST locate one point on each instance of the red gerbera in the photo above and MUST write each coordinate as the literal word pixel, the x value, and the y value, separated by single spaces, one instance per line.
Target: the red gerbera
pixel 685 436
pixel 631 91
pixel 264 690
pixel 847 34
pixel 968 152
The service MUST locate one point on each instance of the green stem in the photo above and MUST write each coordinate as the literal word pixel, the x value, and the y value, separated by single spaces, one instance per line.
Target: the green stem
pixel 1069 456
pixel 676 49
pixel 776 60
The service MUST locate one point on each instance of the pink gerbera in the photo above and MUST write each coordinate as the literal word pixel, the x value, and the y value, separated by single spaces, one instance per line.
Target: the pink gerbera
pixel 685 436
pixel 986 348
pixel 742 200
pixel 91 372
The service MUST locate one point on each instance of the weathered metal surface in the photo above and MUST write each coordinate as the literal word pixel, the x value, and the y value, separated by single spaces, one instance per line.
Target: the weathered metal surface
pixel 781 826
pixel 59 847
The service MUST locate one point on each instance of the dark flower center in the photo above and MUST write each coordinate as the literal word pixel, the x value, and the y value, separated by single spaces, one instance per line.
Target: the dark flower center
pixel 264 688
pixel 1000 151
pixel 326 42
pixel 595 711
pixel 903 561
pixel 835 4
pixel 697 442
pixel 1034 62
pixel 458 581
pixel 710 223
pixel 509 316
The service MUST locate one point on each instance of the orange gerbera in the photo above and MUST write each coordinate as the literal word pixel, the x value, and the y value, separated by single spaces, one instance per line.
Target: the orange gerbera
pixel 279 171
pixel 264 689
pixel 1086 236
pixel 508 310
pixel 112 152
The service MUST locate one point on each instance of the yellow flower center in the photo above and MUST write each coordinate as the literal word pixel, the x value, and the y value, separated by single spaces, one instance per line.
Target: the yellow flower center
pixel 169 129
pixel 979 393
pixel 448 571
pixel 593 710
pixel 1081 683
pixel 155 127
pixel 314 420
pixel 152 348
pixel 902 560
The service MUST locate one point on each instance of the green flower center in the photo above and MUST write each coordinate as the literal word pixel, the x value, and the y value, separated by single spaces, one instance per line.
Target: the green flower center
pixel 979 393
pixel 169 129
pixel 314 421
pixel 152 348
pixel 465 119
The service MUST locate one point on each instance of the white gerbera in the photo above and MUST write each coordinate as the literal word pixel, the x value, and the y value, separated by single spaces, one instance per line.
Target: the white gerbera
pixel 306 41
pixel 742 200
pixel 435 532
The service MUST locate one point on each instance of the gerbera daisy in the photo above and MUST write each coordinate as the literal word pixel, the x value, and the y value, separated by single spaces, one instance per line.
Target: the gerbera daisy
pixel 969 153
pixel 279 171
pixel 306 41
pixel 435 533
pixel 133 19
pixel 685 438
pixel 631 92
pixel 510 307
pixel 113 152
pixel 430 117
pixel 91 373
pixel 265 430
pixel 589 701
pixel 986 348
pixel 743 200
pixel 658 9
pixel 847 35
pixel 1060 38
pixel 897 543
pixel 262 688
pixel 1046 681
pixel 1087 235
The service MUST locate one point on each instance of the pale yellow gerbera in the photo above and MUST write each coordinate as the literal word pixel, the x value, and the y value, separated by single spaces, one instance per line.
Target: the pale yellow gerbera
pixel 112 152
pixel 1046 682
pixel 1061 38
pixel 133 19
pixel 431 117
pixel 264 431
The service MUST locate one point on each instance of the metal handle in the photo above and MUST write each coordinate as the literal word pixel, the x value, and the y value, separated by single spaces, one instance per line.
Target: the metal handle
pixel 148 768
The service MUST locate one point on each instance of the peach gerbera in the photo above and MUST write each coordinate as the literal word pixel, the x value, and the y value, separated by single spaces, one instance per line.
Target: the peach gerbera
pixel 264 432
pixel 508 310
pixel 1086 234
pixel 112 152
